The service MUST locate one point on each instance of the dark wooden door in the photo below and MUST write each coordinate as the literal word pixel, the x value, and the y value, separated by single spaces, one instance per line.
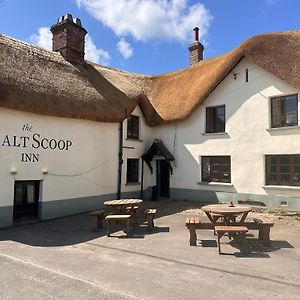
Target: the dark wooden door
pixel 163 178
pixel 26 200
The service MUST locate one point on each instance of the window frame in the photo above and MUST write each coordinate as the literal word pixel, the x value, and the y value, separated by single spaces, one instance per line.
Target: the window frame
pixel 131 132
pixel 209 177
pixel 133 178
pixel 284 123
pixel 278 173
pixel 212 127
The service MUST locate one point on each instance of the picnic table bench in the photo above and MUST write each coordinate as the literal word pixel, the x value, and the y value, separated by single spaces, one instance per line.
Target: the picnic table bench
pixel 96 218
pixel 112 219
pixel 238 232
pixel 120 208
pixel 263 226
pixel 117 218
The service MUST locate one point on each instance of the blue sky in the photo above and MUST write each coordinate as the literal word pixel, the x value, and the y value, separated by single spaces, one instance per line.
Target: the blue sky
pixel 150 36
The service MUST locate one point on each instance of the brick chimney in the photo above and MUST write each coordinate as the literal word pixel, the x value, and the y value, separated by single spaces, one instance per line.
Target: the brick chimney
pixel 68 38
pixel 196 48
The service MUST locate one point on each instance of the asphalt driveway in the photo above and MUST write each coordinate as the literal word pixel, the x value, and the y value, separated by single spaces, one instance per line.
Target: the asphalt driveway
pixel 64 259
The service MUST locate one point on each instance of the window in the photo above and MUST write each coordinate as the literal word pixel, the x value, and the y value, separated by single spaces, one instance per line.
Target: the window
pixel 284 111
pixel 132 170
pixel 133 127
pixel 283 169
pixel 216 169
pixel 215 119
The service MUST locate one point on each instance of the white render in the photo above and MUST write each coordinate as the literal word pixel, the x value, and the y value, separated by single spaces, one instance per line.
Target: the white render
pixel 139 147
pixel 87 168
pixel 247 138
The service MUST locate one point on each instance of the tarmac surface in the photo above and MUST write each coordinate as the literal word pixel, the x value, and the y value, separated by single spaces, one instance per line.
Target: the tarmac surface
pixel 64 259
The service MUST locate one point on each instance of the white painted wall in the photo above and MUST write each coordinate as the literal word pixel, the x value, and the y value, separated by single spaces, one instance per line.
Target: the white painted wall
pixel 88 168
pixel 247 139
pixel 139 147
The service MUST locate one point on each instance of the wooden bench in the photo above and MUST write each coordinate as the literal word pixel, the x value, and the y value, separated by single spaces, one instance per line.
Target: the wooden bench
pixel 192 223
pixel 236 231
pixel 264 230
pixel 112 219
pixel 150 214
pixel 96 218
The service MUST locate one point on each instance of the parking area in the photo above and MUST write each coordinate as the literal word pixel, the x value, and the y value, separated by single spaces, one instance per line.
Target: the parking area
pixel 64 259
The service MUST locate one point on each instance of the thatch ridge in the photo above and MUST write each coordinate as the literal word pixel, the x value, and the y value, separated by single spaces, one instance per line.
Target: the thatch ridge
pixel 36 80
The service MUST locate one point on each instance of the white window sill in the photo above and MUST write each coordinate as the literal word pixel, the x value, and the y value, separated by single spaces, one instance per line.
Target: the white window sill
pixel 134 140
pixel 215 184
pixel 214 133
pixel 283 128
pixel 281 187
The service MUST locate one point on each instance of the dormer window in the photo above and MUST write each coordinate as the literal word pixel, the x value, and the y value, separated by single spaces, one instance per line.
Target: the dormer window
pixel 215 119
pixel 284 111
pixel 133 124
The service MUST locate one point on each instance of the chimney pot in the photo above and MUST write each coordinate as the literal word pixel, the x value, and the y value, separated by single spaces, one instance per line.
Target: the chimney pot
pixel 77 21
pixel 196 30
pixel 68 17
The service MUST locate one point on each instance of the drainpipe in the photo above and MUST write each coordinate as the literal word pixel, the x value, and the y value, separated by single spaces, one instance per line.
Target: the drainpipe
pixel 142 180
pixel 120 163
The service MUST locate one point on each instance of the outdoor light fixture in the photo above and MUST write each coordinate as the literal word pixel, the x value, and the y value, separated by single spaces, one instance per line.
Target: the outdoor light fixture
pixel 13 171
pixel 45 171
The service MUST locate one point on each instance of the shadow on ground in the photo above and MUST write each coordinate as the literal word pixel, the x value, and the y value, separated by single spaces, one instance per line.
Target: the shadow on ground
pixel 255 247
pixel 77 229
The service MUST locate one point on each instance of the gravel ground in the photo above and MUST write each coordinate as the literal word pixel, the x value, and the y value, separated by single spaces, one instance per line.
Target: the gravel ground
pixel 277 216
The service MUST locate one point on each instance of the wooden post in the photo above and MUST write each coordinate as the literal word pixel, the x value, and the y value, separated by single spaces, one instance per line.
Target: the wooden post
pixel 264 234
pixel 193 235
pixel 127 226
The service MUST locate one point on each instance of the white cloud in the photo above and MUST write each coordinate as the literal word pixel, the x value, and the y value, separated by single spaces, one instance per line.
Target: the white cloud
pixel 150 19
pixel 99 56
pixel 124 48
pixel 44 39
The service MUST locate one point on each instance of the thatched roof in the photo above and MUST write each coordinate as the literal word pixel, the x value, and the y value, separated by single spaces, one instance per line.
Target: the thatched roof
pixel 40 81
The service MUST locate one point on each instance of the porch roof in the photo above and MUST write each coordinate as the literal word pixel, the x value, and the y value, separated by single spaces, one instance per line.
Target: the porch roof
pixel 157 148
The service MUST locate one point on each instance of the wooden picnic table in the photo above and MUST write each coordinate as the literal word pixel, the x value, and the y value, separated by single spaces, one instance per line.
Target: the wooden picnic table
pixel 124 206
pixel 226 211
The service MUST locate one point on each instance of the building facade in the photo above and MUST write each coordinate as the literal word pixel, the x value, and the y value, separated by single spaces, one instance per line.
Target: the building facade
pixel 74 134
